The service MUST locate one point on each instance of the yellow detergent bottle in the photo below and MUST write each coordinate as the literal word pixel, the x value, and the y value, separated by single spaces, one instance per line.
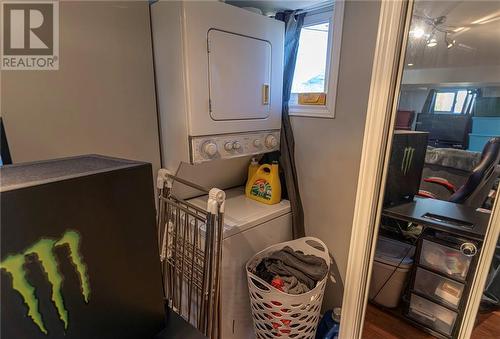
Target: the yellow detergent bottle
pixel 265 186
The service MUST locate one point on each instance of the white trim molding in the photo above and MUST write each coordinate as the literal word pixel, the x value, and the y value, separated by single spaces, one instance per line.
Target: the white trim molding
pixel 332 67
pixel 385 75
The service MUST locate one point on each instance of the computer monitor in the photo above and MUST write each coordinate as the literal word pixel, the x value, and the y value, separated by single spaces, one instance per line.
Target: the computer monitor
pixel 79 251
pixel 445 130
pixel 5 158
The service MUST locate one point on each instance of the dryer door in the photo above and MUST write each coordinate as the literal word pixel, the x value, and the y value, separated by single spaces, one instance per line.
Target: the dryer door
pixel 239 76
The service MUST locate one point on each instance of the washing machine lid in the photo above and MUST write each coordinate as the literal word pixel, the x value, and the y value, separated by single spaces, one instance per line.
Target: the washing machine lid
pixel 392 252
pixel 242 213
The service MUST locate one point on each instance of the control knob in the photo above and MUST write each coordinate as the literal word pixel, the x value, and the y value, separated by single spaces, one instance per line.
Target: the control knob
pixel 236 145
pixel 209 148
pixel 257 143
pixel 228 146
pixel 271 141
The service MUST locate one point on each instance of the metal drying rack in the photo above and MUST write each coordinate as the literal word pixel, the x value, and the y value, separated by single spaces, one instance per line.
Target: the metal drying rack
pixel 190 242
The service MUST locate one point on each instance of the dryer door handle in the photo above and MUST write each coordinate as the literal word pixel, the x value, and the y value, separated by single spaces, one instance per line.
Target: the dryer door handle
pixel 265 94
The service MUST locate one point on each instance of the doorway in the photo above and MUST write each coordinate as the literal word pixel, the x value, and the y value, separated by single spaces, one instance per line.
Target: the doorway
pixel 426 251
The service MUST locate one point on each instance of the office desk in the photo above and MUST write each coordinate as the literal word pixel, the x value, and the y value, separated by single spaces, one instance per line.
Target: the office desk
pixel 442 215
pixel 446 255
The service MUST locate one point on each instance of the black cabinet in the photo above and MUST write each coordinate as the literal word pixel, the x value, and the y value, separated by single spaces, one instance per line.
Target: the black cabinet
pixel 79 234
pixel 405 166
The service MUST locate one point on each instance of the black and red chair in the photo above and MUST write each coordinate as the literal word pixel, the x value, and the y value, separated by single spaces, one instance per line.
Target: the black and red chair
pixel 478 184
pixel 473 193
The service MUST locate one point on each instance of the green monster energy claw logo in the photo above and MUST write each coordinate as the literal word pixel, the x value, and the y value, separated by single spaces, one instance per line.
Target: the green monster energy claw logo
pixel 407 160
pixel 44 251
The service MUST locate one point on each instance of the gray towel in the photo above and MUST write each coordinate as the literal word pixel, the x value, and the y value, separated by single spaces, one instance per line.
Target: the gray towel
pixel 293 286
pixel 307 268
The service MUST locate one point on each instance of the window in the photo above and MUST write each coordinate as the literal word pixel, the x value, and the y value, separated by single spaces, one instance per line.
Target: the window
pixel 316 69
pixel 444 102
pixel 310 69
pixel 459 101
pixel 454 101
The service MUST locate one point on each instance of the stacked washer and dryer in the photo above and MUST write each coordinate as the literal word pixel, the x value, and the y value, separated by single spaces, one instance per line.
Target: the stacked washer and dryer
pixel 219 73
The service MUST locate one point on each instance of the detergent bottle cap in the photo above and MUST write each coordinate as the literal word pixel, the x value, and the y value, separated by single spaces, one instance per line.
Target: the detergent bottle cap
pixel 254 161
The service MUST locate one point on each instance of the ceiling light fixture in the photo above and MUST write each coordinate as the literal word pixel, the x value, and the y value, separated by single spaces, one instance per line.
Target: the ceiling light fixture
pixel 449 43
pixel 490 20
pixel 486 18
pixel 432 42
pixel 463 30
pixel 434 31
pixel 417 33
pixel 410 64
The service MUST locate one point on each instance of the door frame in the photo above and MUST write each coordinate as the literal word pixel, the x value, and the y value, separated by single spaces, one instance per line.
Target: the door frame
pixel 387 70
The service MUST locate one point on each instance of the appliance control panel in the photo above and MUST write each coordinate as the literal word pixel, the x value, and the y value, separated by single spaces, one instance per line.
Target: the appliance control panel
pixel 227 146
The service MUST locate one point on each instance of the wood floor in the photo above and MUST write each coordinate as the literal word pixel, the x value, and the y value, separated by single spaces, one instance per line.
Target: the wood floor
pixel 381 325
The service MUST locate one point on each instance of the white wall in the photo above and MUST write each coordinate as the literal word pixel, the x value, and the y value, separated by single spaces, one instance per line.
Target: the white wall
pixel 101 100
pixel 413 98
pixel 328 151
pixel 452 75
pixel 491 91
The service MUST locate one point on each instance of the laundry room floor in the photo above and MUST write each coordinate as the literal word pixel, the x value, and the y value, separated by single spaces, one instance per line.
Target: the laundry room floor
pixel 382 325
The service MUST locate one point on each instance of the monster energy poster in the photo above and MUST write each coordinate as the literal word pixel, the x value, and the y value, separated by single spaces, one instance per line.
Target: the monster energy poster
pixel 79 258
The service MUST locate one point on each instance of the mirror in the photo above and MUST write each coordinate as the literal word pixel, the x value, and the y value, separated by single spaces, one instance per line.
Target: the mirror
pixel 442 177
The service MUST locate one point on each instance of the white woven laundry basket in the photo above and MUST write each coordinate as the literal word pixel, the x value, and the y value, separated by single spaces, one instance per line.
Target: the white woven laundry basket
pixel 281 315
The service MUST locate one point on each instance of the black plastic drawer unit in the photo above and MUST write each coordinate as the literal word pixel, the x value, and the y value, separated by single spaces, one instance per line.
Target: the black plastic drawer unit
pixel 440 281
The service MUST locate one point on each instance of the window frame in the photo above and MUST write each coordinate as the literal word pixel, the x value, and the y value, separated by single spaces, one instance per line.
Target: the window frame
pixel 335 19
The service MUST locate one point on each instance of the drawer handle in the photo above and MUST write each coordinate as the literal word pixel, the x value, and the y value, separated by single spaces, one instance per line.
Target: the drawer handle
pixel 424 314
pixel 468 249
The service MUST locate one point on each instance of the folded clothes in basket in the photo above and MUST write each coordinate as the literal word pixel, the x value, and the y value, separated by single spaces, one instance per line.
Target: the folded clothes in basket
pixel 291 271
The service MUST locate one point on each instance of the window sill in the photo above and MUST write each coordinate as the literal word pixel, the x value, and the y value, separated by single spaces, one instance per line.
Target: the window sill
pixel 311 111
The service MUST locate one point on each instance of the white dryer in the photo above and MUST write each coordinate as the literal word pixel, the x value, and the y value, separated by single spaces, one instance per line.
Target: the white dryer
pixel 219 75
pixel 249 227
